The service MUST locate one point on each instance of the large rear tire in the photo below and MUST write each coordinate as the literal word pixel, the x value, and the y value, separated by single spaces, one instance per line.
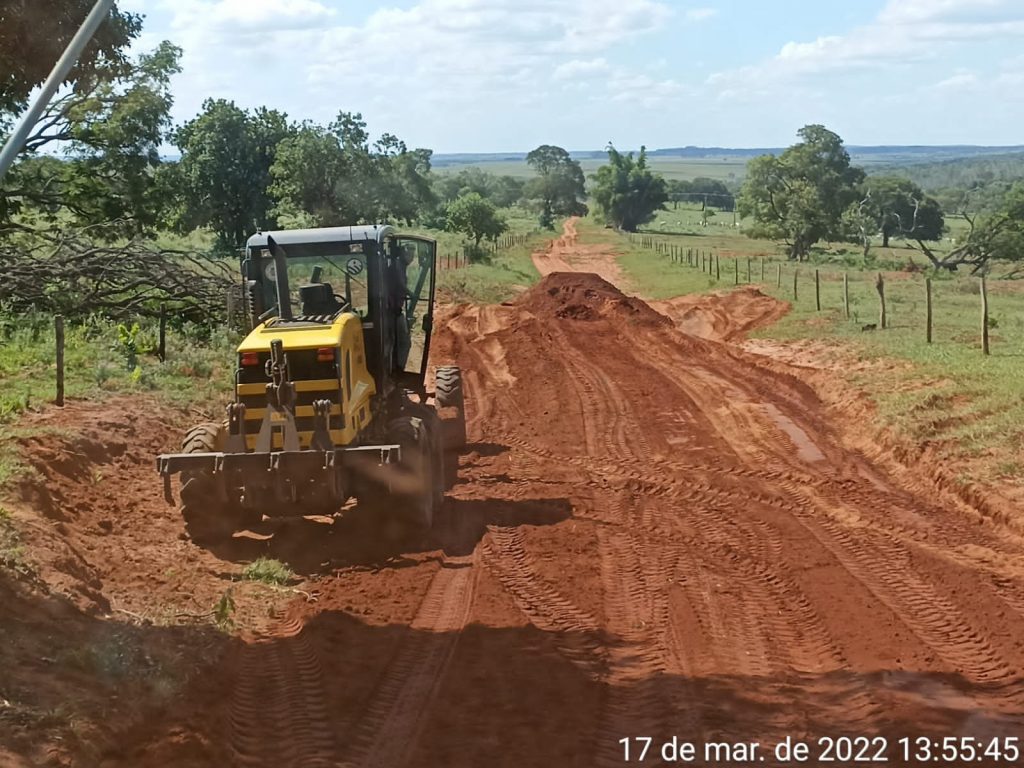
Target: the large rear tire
pixel 209 519
pixel 449 393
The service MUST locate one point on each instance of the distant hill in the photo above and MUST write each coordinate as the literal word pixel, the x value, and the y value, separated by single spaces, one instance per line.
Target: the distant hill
pixel 958 172
pixel 862 155
pixel 894 152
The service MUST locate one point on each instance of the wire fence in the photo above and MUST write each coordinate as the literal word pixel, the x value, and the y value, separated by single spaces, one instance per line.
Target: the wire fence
pixel 936 307
pixel 464 256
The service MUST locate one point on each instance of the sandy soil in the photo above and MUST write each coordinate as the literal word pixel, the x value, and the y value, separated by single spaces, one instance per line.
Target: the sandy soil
pixel 567 254
pixel 650 534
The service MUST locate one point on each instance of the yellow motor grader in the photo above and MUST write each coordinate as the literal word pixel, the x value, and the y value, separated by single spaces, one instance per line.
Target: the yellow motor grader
pixel 330 399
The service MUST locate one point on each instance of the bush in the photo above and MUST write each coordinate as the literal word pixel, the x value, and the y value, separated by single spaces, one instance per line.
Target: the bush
pixel 268 571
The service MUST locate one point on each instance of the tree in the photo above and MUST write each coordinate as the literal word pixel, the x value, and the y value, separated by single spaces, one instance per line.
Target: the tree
pixel 560 186
pixel 224 172
pixel 333 175
pixel 109 131
pixel 507 191
pixel 627 192
pixel 35 34
pixel 476 218
pixel 305 173
pixel 895 207
pixel 710 192
pixel 802 195
pixel 503 191
pixel 990 236
pixel 405 191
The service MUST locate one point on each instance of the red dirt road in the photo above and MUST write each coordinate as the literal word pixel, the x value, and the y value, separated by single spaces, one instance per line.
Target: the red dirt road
pixel 650 534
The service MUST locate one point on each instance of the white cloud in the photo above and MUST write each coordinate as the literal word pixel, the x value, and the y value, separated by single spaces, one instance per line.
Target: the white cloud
pixel 969 11
pixel 957 82
pixel 580 68
pixel 416 66
pixel 904 32
pixel 700 14
pixel 643 90
pixel 234 16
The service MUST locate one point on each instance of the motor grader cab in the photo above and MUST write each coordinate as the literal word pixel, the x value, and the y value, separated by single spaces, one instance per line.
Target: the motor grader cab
pixel 330 401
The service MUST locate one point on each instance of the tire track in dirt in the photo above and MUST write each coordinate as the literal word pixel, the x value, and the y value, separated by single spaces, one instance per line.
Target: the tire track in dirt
pixel 394 718
pixel 930 615
pixel 763 591
pixel 884 567
pixel 636 615
pixel 278 717
pixel 612 429
pixel 574 631
pixel 635 602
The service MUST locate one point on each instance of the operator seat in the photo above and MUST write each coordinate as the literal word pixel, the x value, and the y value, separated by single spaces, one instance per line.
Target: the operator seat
pixel 317 297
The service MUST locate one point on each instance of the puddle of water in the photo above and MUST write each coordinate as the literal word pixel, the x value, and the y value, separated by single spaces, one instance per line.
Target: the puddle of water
pixel 806 450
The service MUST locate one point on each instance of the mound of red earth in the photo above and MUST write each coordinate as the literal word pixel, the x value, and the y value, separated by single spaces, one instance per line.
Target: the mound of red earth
pixel 585 296
pixel 106 614
pixel 723 316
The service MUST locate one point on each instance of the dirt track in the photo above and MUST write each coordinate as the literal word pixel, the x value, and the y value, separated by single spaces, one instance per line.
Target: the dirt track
pixel 651 534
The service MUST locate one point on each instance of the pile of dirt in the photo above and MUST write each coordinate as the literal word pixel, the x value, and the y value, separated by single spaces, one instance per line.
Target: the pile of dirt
pixel 723 316
pixel 587 297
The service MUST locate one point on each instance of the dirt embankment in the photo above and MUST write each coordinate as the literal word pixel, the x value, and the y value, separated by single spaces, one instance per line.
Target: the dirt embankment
pixel 722 316
pixel 650 533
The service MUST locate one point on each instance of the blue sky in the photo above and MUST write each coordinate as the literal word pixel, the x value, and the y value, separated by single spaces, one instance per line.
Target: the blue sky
pixel 504 75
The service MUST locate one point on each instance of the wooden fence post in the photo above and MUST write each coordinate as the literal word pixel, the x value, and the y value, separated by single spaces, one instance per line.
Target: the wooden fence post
pixel 718 267
pixel 817 290
pixel 736 269
pixel 748 269
pixel 928 309
pixel 58 327
pixel 762 269
pixel 984 316
pixel 846 294
pixel 880 287
pixel 778 276
pixel 796 274
pixel 161 347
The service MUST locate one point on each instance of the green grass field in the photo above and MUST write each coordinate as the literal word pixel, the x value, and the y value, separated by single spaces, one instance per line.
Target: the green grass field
pixel 100 362
pixel 501 273
pixel 727 169
pixel 732 168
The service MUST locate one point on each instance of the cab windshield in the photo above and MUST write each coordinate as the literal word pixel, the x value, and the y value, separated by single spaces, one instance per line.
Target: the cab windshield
pixel 339 272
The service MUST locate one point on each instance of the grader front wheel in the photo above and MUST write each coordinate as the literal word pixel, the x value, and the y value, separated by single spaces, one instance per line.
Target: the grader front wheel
pixel 419 491
pixel 209 518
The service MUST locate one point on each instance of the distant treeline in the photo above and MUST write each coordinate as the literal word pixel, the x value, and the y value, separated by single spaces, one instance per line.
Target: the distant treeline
pixel 894 155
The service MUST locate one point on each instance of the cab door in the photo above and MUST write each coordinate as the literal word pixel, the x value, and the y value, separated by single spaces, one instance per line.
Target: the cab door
pixel 415 263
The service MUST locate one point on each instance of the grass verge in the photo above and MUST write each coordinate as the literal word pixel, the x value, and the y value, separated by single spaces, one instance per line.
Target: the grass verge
pixel 12 553
pixel 500 274
pixel 100 360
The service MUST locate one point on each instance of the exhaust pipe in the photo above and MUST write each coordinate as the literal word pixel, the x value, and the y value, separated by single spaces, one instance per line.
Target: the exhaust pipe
pixel 284 296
